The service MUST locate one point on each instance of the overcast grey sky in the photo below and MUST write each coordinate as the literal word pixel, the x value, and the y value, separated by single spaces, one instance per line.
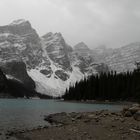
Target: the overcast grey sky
pixel 96 22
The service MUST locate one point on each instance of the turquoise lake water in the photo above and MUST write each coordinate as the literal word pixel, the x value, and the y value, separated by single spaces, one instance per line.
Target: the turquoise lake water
pixel 29 113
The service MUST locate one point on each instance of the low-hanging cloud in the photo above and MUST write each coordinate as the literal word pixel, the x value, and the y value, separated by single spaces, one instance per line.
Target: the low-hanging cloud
pixel 96 22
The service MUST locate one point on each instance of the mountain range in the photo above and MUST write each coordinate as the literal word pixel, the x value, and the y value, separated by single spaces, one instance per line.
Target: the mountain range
pixel 49 65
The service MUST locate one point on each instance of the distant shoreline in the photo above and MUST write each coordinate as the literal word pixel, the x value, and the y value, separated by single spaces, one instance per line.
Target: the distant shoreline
pixel 82 101
pixel 100 102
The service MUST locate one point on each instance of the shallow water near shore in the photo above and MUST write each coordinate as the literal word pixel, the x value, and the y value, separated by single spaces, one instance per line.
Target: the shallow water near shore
pixel 18 114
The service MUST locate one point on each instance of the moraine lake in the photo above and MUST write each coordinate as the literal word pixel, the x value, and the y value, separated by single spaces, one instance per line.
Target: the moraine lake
pixel 29 113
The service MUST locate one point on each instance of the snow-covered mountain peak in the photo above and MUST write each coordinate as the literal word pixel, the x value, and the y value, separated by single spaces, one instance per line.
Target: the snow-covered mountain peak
pixel 56 41
pixel 19 22
pixel 81 46
pixel 53 37
pixel 58 35
pixel 57 49
pixel 47 35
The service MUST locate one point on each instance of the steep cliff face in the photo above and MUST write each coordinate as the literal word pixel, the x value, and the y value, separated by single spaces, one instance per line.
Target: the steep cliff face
pixel 13 88
pixel 17 70
pixel 19 48
pixel 124 58
pixel 83 59
pixel 3 84
pixel 82 48
pixel 57 50
pixel 19 41
pixel 120 59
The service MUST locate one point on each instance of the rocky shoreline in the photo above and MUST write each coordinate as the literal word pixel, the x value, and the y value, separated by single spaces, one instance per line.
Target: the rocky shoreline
pixel 98 125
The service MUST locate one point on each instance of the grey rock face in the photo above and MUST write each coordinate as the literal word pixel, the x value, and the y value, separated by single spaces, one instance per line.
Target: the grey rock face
pixel 102 68
pixel 81 48
pixel 86 61
pixel 18 71
pixel 120 59
pixel 58 50
pixel 10 88
pixel 62 75
pixel 20 42
pixel 23 29
pixel 19 45
pixel 3 81
pixel 47 72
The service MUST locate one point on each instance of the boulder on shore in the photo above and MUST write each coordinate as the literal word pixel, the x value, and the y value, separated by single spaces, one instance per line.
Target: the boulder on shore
pixel 132 111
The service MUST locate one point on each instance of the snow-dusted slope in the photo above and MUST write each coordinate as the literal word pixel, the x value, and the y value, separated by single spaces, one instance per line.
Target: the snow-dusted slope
pixel 120 59
pixel 19 21
pixel 54 86
pixel 61 71
pixel 124 58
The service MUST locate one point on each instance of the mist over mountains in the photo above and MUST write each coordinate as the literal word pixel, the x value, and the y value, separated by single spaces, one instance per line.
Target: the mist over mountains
pixel 49 65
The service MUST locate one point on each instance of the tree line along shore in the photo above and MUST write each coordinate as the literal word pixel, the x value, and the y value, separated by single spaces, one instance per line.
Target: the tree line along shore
pixel 110 86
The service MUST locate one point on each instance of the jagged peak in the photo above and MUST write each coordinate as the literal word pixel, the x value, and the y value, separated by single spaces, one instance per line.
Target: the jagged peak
pixel 19 22
pixel 58 34
pixel 50 34
pixel 81 46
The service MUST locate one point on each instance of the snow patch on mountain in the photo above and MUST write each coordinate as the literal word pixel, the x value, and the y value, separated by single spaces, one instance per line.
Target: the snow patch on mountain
pixel 19 21
pixel 12 77
pixel 52 86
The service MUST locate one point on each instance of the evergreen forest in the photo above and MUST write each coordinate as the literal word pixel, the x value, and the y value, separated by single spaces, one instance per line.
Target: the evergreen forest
pixel 107 86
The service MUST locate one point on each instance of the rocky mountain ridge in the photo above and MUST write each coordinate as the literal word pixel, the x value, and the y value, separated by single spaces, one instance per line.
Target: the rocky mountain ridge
pixel 120 59
pixel 50 62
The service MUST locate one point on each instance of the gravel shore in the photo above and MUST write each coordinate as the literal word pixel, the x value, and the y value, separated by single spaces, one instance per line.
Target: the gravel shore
pixel 99 125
